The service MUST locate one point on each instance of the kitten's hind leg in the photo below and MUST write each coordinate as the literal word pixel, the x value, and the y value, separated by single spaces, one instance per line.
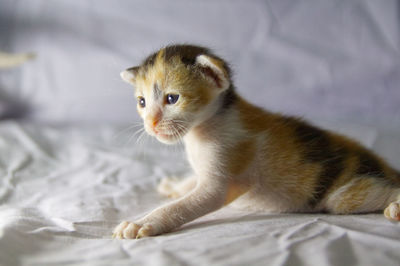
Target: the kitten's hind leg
pixel 173 187
pixel 364 194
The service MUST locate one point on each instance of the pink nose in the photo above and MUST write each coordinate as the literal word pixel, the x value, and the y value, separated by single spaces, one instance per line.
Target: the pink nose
pixel 152 121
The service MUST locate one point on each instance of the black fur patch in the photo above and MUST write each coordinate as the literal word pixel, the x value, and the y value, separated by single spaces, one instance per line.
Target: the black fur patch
pixel 332 168
pixel 134 69
pixel 187 53
pixel 315 141
pixel 188 61
pixel 317 148
pixel 369 165
pixel 229 99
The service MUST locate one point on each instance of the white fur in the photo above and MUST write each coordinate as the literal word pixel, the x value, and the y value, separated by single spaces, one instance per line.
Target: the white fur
pixel 174 187
pixel 127 76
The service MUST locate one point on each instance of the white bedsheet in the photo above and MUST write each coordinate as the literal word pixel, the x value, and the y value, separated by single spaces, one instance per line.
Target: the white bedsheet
pixel 63 189
pixel 334 59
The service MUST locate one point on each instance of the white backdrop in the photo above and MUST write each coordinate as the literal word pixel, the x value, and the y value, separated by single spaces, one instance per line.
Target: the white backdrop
pixel 334 60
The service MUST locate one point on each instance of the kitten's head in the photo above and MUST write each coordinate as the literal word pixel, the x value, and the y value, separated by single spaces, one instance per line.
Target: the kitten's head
pixel 177 88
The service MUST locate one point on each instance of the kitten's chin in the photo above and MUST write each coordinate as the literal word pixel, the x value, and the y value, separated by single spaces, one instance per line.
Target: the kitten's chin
pixel 167 139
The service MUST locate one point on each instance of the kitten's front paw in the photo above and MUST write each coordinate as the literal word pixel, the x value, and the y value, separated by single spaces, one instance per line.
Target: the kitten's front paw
pixel 129 230
pixel 167 187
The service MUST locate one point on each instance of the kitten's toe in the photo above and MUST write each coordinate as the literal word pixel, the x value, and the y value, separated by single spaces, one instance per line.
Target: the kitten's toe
pixel 118 231
pixel 146 230
pixel 131 231
pixel 392 212
pixel 126 230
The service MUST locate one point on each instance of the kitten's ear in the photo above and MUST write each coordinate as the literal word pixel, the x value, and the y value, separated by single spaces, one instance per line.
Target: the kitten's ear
pixel 129 74
pixel 214 70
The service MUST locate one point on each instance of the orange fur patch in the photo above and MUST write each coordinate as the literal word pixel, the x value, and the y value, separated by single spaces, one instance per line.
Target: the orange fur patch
pixel 235 190
pixel 240 156
pixel 253 118
pixel 353 197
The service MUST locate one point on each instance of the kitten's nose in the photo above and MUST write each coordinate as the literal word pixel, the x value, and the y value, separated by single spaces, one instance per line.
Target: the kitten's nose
pixel 153 120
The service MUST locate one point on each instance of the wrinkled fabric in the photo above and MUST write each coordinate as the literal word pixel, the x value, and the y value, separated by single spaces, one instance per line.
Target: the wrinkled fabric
pixel 64 188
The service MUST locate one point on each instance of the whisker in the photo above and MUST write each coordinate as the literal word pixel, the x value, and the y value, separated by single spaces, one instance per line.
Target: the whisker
pixel 140 137
pixel 140 130
pixel 178 135
pixel 117 134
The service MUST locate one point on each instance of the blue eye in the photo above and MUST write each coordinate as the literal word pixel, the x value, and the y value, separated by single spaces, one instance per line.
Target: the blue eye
pixel 172 98
pixel 142 102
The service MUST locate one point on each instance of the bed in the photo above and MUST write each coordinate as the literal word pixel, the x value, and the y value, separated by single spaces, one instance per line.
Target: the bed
pixel 72 168
pixel 63 189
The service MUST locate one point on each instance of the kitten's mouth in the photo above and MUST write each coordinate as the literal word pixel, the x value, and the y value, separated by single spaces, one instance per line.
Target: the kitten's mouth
pixel 163 135
pixel 169 136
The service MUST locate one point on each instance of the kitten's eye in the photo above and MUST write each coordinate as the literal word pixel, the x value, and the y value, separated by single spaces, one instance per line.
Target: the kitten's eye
pixel 142 102
pixel 172 98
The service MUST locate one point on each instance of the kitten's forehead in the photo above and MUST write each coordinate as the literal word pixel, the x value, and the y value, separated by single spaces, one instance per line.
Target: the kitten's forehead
pixel 156 91
pixel 180 70
pixel 152 79
pixel 170 58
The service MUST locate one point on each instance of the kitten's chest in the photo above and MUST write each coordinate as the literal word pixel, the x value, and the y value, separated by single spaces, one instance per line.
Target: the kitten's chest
pixel 200 153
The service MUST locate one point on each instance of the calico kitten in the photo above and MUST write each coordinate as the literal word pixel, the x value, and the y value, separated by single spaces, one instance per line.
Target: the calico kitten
pixel 272 162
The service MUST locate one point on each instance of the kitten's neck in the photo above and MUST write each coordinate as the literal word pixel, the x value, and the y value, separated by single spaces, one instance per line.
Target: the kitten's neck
pixel 219 114
pixel 233 118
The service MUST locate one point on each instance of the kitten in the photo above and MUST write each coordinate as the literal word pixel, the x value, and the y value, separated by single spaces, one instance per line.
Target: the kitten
pixel 272 162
